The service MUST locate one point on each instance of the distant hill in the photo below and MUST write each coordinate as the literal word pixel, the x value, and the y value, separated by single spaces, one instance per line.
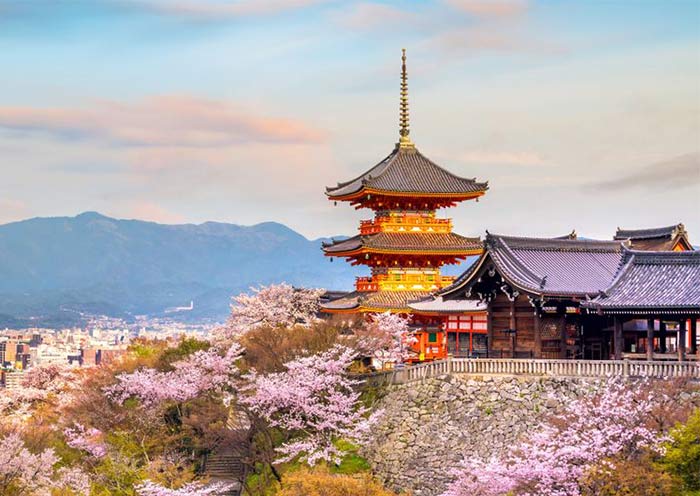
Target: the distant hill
pixel 52 269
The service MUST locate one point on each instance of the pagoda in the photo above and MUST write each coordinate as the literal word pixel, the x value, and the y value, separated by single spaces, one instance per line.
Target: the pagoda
pixel 406 243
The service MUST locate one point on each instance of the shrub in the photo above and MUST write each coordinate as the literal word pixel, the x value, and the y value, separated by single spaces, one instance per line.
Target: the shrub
pixel 320 482
pixel 682 456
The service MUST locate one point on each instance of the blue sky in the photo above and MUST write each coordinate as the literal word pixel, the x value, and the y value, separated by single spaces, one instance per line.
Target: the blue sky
pixel 581 114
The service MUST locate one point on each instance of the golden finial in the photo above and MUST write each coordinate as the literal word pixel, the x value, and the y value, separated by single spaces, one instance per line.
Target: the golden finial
pixel 404 139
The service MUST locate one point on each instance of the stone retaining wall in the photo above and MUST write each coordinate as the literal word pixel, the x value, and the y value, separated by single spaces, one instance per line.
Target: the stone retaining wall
pixel 430 426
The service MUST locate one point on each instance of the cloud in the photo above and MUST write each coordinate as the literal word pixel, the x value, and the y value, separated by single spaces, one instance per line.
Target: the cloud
pixel 174 121
pixel 12 210
pixel 502 158
pixel 372 16
pixel 153 212
pixel 679 172
pixel 490 8
pixel 196 10
pixel 213 10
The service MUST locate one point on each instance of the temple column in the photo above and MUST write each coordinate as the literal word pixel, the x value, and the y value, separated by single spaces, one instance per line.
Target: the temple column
pixel 513 328
pixel 538 335
pixel 694 336
pixel 650 339
pixel 681 339
pixel 489 332
pixel 562 333
pixel 662 336
pixel 617 338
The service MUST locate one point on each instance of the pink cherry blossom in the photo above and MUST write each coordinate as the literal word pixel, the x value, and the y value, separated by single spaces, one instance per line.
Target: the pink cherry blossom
pixel 552 461
pixel 89 440
pixel 149 488
pixel 315 401
pixel 201 372
pixel 386 337
pixel 274 305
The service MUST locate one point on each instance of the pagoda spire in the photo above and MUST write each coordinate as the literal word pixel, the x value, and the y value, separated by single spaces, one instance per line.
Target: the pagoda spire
pixel 404 131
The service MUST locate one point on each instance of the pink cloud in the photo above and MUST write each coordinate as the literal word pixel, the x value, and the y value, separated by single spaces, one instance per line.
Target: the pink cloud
pixel 12 210
pixel 490 8
pixel 370 16
pixel 153 212
pixel 516 158
pixel 207 9
pixel 176 121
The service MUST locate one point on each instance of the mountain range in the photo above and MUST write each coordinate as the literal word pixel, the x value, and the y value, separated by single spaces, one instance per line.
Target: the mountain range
pixel 52 270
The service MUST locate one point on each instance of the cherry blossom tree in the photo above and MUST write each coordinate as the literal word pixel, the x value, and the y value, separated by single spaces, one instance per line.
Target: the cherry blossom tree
pixel 25 472
pixel 273 305
pixel 86 439
pixel 386 337
pixel 50 383
pixel 199 373
pixel 149 488
pixel 553 460
pixel 315 401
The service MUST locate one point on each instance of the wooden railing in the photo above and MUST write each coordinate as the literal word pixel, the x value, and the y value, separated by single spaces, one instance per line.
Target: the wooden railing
pixel 555 368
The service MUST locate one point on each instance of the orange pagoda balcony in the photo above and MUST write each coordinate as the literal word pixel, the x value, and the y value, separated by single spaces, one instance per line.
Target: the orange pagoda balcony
pixel 408 282
pixel 405 224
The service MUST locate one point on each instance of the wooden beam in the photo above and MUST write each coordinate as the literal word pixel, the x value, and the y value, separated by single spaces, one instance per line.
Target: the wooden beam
pixel 681 339
pixel 650 339
pixel 617 338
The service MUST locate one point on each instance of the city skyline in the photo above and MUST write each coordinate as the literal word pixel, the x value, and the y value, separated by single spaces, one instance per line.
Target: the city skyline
pixel 579 115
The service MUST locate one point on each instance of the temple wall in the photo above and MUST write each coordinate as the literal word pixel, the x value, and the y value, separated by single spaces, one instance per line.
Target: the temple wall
pixel 429 427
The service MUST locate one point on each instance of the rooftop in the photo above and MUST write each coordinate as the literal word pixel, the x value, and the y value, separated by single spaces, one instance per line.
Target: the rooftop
pixel 653 280
pixel 406 170
pixel 667 238
pixel 412 242
pixel 554 267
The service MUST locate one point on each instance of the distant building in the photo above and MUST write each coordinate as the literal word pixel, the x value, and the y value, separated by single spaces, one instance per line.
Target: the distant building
pixel 12 379
pixel 671 238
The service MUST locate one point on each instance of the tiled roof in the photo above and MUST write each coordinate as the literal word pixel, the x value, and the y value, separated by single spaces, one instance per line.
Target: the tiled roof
pixel 379 301
pixel 407 170
pixel 553 267
pixel 438 305
pixel 408 241
pixel 656 232
pixel 656 239
pixel 653 280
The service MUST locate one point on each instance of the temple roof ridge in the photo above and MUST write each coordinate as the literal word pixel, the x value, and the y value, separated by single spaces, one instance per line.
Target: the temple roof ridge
pixel 653 232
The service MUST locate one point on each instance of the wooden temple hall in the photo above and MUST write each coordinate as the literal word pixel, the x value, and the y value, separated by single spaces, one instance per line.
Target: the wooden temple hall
pixel 634 296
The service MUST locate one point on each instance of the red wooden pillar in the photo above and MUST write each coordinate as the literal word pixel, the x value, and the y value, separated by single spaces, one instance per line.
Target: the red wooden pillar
pixel 617 338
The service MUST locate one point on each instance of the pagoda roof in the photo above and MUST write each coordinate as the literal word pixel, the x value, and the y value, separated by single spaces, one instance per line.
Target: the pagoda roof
pixel 656 239
pixel 377 301
pixel 652 282
pixel 412 242
pixel 546 266
pixel 407 171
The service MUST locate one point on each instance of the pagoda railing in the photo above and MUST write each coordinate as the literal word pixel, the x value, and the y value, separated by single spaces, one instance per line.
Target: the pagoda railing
pixel 543 367
pixel 408 283
pixel 405 224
